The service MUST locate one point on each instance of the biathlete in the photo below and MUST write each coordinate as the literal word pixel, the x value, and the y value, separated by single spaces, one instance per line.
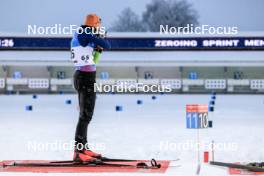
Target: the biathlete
pixel 86 48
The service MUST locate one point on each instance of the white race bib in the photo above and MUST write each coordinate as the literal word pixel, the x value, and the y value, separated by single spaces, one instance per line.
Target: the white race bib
pixel 82 56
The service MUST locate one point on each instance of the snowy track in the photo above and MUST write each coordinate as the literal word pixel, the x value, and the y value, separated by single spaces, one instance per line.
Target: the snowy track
pixel 151 130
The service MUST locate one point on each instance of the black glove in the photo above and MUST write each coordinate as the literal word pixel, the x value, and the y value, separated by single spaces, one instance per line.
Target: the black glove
pixel 98 49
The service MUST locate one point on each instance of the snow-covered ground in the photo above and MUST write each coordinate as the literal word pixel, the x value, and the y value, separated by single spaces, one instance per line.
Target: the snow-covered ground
pixel 154 129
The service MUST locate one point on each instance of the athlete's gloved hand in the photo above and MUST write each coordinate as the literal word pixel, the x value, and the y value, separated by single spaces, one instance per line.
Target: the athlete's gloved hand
pixel 98 49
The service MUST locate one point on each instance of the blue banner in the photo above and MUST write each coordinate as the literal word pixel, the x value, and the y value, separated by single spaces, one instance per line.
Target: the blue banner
pixel 187 43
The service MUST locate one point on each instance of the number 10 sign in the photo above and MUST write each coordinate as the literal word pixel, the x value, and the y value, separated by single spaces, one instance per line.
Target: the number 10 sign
pixel 197 116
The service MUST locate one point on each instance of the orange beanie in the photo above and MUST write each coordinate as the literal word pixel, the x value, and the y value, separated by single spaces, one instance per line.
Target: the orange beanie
pixel 92 20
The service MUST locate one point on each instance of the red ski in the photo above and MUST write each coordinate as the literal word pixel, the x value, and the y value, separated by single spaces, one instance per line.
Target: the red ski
pixel 116 165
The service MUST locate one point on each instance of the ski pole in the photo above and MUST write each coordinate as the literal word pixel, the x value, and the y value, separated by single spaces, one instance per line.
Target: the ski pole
pixel 213 150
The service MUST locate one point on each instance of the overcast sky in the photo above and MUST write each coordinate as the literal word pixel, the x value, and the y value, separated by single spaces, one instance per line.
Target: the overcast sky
pixel 247 15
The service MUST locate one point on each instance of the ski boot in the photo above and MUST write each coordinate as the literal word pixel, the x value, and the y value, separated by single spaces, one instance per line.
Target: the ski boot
pixel 92 154
pixel 81 157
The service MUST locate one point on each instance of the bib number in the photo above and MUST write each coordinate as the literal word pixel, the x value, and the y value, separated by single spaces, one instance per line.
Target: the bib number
pixel 72 54
pixel 85 58
pixel 82 56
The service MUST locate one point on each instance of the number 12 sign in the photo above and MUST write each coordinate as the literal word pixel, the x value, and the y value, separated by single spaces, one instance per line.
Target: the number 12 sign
pixel 197 116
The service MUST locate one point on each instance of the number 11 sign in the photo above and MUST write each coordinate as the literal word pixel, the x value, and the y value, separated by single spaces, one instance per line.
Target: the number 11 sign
pixel 197 116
